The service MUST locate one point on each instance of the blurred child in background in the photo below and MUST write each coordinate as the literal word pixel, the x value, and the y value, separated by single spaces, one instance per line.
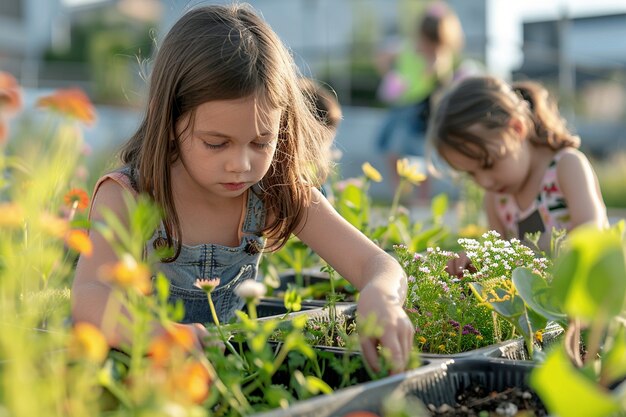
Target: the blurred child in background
pixel 513 142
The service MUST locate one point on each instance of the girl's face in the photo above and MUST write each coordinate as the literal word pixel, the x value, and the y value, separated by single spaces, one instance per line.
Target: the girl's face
pixel 510 167
pixel 229 147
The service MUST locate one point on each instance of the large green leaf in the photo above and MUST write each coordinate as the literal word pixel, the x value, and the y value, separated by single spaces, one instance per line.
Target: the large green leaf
pixel 567 392
pixel 537 294
pixel 614 358
pixel 589 278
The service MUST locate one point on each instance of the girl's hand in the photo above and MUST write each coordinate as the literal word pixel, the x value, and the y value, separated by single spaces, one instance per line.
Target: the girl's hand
pixel 458 265
pixel 397 329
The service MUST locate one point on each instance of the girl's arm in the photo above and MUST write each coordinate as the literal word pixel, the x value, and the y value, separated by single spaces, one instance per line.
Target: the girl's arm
pixel 457 266
pixel 377 275
pixel 92 299
pixel 581 190
pixel 493 220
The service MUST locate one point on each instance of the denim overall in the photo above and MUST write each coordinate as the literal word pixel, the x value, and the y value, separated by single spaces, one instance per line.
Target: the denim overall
pixel 232 265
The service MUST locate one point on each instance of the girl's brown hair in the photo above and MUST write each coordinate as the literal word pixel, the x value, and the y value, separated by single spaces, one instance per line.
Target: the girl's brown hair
pixel 221 53
pixel 490 102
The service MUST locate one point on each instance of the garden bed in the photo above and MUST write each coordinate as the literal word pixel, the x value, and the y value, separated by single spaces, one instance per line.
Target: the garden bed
pixel 443 387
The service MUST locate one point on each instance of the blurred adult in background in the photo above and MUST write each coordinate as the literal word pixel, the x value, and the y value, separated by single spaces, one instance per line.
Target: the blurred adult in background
pixel 415 71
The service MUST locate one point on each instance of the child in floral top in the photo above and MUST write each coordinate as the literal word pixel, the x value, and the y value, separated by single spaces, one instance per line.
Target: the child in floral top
pixel 514 144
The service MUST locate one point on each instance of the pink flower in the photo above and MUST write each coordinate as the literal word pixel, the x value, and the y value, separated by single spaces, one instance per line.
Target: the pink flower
pixel 208 285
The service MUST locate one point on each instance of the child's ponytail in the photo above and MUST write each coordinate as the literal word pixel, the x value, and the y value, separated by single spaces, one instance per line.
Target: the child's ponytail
pixel 550 127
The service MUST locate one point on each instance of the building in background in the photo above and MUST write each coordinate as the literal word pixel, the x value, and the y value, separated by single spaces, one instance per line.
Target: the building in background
pixel 580 59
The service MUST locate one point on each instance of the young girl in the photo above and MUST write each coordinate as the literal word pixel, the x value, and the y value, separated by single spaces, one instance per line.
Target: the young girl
pixel 231 153
pixel 513 142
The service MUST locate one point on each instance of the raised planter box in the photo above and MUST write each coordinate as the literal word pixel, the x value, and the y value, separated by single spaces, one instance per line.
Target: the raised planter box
pixel 513 349
pixel 438 385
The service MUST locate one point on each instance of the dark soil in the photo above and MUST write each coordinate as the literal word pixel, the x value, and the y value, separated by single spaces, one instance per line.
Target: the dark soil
pixel 476 401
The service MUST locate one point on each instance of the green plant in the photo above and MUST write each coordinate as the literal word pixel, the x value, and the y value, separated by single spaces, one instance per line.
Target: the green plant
pixel 493 261
pixel 447 318
pixel 588 288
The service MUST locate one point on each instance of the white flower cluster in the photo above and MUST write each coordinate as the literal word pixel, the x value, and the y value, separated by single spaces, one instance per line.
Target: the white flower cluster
pixel 497 258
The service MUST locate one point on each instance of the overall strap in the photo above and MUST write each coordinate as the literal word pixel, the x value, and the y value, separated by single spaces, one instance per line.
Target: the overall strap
pixel 122 177
pixel 254 220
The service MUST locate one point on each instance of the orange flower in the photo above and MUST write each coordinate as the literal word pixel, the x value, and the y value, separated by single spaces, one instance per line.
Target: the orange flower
pixel 129 274
pixel 88 342
pixel 175 340
pixel 192 381
pixel 79 241
pixel 10 94
pixel 71 102
pixel 77 196
pixel 10 101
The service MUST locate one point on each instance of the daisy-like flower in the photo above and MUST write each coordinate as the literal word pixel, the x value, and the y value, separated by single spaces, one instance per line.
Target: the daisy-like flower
pixel 79 241
pixel 128 273
pixel 88 342
pixel 207 285
pixel 72 102
pixel 411 172
pixel 76 198
pixel 250 290
pixel 371 173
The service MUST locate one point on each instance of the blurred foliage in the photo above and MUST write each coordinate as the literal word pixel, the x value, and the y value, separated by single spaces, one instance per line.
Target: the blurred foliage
pixel 112 47
pixel 612 178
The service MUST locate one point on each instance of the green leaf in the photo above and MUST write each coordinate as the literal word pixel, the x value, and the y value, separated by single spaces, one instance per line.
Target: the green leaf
pixel 614 358
pixel 277 396
pixel 605 283
pixel 567 392
pixel 315 386
pixel 535 291
pixel 162 286
pixel 589 277
pixel 438 207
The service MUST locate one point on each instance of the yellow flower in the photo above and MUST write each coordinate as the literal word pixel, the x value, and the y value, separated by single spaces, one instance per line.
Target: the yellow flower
pixel 88 342
pixel 11 215
pixel 472 231
pixel 371 172
pixel 441 347
pixel 410 172
pixel 79 241
pixel 71 102
pixel 539 336
pixel 421 339
pixel 479 337
pixel 128 274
